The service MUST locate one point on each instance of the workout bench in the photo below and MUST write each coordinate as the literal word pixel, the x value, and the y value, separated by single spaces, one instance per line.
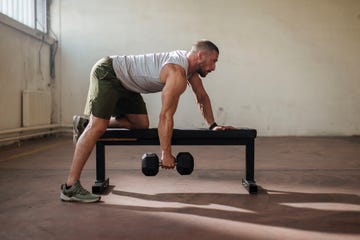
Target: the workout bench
pixel 116 136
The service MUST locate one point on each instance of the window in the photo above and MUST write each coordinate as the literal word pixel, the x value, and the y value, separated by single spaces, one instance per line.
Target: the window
pixel 29 12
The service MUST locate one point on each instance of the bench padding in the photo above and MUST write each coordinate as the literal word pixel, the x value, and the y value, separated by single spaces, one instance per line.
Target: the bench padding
pixel 180 136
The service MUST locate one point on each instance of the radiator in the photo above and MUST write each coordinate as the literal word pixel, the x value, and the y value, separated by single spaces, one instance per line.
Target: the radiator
pixel 36 108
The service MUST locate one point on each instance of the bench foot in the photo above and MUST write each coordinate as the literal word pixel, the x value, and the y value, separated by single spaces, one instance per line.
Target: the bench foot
pixel 100 186
pixel 250 186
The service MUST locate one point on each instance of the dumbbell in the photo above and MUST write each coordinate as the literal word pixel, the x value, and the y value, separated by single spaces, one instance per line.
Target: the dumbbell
pixel 150 163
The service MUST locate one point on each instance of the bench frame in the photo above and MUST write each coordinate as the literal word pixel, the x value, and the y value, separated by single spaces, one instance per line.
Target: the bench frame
pixel 114 136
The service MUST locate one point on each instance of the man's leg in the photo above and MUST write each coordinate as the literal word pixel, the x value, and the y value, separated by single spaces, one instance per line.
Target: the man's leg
pixel 85 145
pixel 93 131
pixel 72 189
pixel 130 121
pixel 104 91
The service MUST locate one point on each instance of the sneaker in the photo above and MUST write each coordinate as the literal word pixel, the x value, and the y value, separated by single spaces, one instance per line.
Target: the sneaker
pixel 79 125
pixel 77 194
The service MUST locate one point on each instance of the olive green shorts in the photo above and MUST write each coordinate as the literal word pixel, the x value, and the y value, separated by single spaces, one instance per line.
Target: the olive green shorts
pixel 107 97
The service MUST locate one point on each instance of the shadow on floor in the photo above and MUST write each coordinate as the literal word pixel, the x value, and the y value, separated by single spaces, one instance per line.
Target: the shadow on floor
pixel 322 212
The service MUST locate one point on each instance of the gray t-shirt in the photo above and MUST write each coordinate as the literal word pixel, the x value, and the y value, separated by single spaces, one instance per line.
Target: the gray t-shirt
pixel 141 73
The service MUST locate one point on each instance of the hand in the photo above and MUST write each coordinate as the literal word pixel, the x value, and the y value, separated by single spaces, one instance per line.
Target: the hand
pixel 222 128
pixel 167 161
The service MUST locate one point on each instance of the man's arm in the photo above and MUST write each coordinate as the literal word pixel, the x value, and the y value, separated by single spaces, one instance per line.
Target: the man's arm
pixel 175 84
pixel 204 103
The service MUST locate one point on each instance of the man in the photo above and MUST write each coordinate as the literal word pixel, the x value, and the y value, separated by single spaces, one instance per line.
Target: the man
pixel 114 100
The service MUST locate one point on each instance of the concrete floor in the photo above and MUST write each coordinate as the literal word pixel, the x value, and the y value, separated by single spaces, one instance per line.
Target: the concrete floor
pixel 309 190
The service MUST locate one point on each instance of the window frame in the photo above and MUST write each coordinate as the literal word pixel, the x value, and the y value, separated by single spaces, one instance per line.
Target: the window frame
pixel 31 31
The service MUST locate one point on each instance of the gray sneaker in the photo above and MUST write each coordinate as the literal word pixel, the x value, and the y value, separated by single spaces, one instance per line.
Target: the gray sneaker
pixel 77 194
pixel 79 125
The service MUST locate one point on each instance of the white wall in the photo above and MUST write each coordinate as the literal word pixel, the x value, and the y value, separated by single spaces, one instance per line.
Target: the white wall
pixel 286 67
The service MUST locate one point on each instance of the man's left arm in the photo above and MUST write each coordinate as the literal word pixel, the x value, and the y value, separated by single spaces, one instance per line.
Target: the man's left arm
pixel 204 103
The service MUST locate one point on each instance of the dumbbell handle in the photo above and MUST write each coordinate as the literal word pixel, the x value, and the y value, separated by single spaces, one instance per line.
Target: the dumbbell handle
pixel 160 163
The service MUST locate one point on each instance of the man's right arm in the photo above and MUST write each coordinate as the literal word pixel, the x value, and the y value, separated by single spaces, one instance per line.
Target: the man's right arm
pixel 175 84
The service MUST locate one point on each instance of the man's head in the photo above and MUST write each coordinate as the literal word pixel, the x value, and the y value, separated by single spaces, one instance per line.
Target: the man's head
pixel 205 45
pixel 207 54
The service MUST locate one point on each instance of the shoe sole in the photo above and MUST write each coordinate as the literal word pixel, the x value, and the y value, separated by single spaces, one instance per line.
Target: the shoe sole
pixel 65 198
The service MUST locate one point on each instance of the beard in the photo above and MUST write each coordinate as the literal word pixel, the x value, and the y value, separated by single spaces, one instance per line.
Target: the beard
pixel 202 72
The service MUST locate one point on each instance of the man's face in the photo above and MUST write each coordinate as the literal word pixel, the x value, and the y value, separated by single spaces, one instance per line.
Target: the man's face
pixel 207 62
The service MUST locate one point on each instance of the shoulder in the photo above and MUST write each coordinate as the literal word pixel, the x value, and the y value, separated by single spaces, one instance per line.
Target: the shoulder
pixel 172 70
pixel 178 57
pixel 178 53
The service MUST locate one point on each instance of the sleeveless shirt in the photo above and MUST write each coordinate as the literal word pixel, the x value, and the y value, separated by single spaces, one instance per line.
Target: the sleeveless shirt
pixel 141 73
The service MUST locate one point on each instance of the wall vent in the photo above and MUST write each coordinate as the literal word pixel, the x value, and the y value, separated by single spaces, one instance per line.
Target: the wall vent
pixel 36 108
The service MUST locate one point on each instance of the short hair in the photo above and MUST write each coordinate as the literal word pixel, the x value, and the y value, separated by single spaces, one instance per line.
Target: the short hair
pixel 204 45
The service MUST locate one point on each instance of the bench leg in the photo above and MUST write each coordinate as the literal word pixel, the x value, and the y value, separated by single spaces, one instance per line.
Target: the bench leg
pixel 101 183
pixel 249 181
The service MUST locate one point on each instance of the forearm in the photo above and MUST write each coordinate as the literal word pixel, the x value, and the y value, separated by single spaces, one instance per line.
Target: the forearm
pixel 165 130
pixel 204 103
pixel 206 110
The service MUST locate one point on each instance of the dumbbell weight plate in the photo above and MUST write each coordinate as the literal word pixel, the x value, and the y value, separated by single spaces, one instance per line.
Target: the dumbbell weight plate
pixel 184 163
pixel 150 164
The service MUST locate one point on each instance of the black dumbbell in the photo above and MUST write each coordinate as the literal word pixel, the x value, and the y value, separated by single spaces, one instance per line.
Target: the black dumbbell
pixel 184 163
pixel 150 163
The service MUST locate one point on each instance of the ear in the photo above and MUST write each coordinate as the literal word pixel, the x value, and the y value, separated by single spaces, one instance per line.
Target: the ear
pixel 200 55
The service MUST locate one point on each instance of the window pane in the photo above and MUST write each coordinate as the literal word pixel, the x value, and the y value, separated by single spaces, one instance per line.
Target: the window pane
pixel 41 15
pixel 27 12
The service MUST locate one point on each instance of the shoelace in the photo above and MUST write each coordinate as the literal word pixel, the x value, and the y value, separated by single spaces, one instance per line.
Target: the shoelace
pixel 81 190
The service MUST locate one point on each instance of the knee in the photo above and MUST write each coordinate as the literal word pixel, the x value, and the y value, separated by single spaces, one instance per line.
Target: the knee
pixel 98 131
pixel 139 122
pixel 97 127
pixel 143 125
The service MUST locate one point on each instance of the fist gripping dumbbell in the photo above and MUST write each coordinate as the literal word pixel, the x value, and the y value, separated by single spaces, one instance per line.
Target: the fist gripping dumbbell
pixel 150 163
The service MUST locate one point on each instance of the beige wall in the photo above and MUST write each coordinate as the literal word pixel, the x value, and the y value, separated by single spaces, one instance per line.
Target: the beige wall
pixel 286 67
pixel 24 65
